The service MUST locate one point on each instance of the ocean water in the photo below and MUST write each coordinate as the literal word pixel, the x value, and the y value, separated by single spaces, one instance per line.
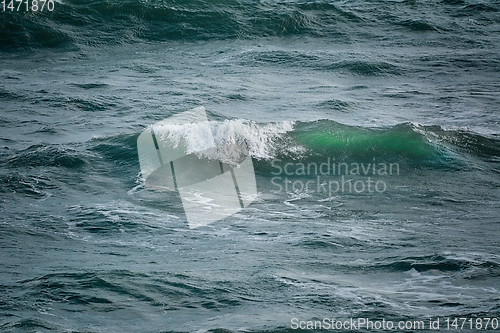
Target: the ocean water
pixel 402 94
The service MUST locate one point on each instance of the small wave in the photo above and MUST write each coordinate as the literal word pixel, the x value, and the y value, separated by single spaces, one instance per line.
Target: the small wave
pixel 109 290
pixel 9 95
pixel 300 59
pixel 439 263
pixel 46 155
pixel 418 25
pixel 453 2
pixel 365 68
pixel 335 104
pixel 120 148
pixel 22 32
pixel 87 86
pixel 29 324
pixel 480 7
pixel 37 187
pixel 279 57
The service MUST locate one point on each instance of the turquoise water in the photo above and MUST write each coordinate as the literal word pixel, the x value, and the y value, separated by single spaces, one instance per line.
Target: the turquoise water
pixel 86 247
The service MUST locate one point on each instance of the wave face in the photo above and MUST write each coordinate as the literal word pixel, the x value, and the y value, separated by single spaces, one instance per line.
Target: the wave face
pixel 76 24
pixel 325 138
pixel 431 149
pixel 289 140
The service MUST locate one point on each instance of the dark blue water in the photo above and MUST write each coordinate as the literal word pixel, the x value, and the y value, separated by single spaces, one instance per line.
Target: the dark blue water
pixel 86 247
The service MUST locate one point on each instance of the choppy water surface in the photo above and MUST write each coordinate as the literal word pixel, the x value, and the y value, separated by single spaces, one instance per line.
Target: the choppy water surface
pixel 85 247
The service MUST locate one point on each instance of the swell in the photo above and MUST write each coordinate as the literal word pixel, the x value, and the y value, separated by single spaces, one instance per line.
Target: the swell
pixel 414 143
pixel 75 23
pixel 319 61
pixel 466 268
pixel 46 155
pixel 117 22
pixel 110 290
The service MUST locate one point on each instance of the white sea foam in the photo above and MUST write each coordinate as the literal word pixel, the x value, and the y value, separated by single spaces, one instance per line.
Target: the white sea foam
pixel 260 139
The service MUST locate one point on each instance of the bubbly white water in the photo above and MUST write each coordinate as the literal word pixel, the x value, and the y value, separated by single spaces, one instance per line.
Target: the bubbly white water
pixel 259 138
